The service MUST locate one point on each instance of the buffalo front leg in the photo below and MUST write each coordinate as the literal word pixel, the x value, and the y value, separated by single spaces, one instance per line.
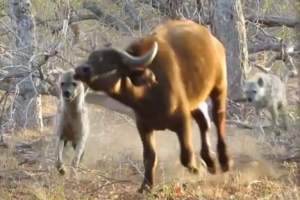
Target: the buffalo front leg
pixel 149 156
pixel 218 97
pixel 59 153
pixel 202 119
pixel 182 127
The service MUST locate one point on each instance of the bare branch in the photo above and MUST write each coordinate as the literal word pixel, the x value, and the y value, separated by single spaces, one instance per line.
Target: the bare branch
pixel 269 21
pixel 105 101
pixel 9 88
pixel 132 12
pixel 285 55
pixel 108 19
pixel 264 46
pixel 73 20
pixel 167 10
pixel 262 68
pixel 159 5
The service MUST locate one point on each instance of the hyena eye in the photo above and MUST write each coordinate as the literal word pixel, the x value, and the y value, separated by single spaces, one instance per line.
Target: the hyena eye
pixel 254 92
pixel 62 84
pixel 74 84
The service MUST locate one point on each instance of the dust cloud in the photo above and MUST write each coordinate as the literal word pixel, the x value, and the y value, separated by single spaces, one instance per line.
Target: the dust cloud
pixel 116 149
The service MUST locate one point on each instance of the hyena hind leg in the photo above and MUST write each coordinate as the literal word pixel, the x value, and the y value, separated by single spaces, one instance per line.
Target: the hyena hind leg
pixel 74 145
pixel 275 123
pixel 66 149
pixel 283 115
pixel 274 113
pixel 79 151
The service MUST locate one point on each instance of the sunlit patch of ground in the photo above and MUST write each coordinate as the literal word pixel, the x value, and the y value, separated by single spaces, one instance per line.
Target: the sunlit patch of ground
pixel 112 167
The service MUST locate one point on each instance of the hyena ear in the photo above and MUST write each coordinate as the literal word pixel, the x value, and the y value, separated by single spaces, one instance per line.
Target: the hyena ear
pixel 260 82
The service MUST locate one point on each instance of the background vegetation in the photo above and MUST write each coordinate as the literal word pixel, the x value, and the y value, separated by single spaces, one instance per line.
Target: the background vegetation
pixel 266 166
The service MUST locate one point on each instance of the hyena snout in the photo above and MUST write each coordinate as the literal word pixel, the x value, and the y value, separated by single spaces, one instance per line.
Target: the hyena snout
pixel 67 94
pixel 249 99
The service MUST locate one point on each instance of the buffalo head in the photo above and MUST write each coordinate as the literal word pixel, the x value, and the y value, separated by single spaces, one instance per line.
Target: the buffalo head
pixel 104 68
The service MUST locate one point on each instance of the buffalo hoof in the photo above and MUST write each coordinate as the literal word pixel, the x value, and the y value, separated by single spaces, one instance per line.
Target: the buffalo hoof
pixel 145 188
pixel 209 162
pixel 226 163
pixel 141 190
pixel 212 170
pixel 193 170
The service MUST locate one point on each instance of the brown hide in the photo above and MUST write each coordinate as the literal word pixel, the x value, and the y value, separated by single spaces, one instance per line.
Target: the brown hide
pixel 189 58
pixel 163 77
pixel 189 63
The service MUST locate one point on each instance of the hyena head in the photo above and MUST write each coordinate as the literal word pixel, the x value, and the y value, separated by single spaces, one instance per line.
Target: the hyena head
pixel 69 87
pixel 254 90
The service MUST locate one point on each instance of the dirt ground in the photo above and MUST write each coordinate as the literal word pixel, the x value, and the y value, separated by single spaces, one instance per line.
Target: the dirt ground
pixel 112 167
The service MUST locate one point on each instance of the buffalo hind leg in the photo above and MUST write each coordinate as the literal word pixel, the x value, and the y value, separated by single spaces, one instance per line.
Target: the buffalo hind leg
pixel 182 128
pixel 218 97
pixel 149 156
pixel 201 117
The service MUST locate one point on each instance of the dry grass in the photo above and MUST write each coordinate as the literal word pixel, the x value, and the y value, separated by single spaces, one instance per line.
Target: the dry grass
pixel 112 165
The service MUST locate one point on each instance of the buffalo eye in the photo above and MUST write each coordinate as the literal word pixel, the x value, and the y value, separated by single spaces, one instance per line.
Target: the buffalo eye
pixel 86 69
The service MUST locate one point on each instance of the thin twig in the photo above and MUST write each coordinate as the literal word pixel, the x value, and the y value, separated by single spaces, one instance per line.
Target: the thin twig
pixel 108 184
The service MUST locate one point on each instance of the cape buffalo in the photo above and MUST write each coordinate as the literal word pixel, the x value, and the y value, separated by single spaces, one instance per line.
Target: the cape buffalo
pixel 165 77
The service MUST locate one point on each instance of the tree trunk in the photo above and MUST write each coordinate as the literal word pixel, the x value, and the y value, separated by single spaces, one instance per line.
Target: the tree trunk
pixel 27 108
pixel 228 25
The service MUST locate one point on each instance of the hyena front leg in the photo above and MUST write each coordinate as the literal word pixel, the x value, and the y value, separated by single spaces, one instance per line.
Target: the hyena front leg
pixel 59 153
pixel 257 120
pixel 274 113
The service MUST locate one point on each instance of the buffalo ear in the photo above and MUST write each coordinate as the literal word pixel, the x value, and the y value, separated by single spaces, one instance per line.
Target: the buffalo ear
pixel 143 77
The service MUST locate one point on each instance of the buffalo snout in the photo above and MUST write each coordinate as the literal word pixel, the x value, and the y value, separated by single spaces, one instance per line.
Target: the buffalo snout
pixel 82 72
